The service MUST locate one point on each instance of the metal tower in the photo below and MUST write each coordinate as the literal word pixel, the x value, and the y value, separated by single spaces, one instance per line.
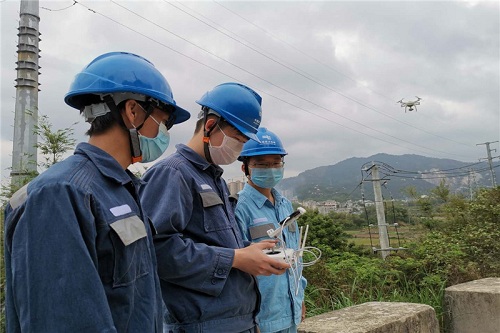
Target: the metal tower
pixel 24 156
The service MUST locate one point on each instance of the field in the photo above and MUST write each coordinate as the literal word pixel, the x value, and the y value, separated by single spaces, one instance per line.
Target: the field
pixel 369 237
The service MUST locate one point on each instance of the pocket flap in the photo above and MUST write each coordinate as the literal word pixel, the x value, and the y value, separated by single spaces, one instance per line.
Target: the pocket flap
pixel 259 231
pixel 210 199
pixel 129 229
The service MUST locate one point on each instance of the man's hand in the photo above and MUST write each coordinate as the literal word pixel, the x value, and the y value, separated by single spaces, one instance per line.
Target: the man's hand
pixel 252 260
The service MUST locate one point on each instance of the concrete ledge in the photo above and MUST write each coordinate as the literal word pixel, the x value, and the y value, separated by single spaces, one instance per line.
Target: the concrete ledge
pixel 473 307
pixel 375 317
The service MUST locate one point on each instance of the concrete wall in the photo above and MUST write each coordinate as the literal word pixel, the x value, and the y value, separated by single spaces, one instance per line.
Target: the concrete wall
pixel 375 317
pixel 473 307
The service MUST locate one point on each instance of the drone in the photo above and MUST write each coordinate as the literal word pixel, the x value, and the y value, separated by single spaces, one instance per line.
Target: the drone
pixel 410 104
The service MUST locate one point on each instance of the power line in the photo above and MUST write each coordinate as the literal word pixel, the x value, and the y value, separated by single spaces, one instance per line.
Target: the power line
pixel 299 50
pixel 275 85
pixel 250 73
pixel 490 159
pixel 227 75
pixel 389 171
pixel 437 174
pixel 58 10
pixel 360 83
pixel 154 40
pixel 451 171
pixel 389 167
pixel 295 69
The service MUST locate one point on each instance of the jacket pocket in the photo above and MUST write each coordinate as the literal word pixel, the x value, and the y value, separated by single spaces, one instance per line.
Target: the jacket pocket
pixel 214 218
pixel 258 232
pixel 131 252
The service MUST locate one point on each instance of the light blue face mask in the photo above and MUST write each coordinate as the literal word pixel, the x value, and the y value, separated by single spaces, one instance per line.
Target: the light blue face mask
pixel 152 148
pixel 266 178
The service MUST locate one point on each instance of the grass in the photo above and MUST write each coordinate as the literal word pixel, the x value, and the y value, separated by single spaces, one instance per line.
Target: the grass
pixel 320 301
pixel 350 291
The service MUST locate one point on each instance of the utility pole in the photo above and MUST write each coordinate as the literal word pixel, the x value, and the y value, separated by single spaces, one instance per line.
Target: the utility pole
pixel 24 157
pixel 471 179
pixel 490 159
pixel 379 207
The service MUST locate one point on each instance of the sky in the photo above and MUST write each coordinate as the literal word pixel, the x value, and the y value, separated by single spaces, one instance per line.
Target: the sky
pixel 330 73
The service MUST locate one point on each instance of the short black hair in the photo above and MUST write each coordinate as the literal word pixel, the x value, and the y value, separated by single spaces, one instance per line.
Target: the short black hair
pixel 103 123
pixel 199 123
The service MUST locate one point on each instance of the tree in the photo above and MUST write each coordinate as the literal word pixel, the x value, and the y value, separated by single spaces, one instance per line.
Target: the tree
pixel 477 229
pixel 442 191
pixel 53 144
pixel 424 204
pixel 411 191
pixel 324 233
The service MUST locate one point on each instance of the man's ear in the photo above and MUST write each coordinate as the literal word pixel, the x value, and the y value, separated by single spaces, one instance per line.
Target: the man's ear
pixel 244 168
pixel 130 112
pixel 210 123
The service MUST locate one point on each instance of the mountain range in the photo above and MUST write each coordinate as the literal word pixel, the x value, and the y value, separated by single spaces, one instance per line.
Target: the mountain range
pixel 346 179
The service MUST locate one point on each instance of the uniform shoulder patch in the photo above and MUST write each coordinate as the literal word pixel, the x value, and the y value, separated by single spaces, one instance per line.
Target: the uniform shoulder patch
pixel 19 197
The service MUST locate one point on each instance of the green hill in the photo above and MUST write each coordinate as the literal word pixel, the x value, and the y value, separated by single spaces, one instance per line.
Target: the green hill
pixel 342 180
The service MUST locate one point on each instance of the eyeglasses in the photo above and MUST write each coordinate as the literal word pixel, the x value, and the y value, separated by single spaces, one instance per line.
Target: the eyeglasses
pixel 238 132
pixel 274 165
pixel 170 121
pixel 163 107
pixel 169 109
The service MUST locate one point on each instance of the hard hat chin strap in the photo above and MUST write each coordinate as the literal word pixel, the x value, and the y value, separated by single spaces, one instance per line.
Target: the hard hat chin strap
pixel 245 165
pixel 135 147
pixel 135 143
pixel 206 134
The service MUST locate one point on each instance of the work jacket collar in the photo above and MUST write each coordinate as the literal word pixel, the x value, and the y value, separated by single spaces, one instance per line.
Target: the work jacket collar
pixel 106 164
pixel 198 161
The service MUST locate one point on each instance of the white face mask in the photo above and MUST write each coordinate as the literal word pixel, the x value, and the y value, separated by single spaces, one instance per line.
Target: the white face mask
pixel 227 152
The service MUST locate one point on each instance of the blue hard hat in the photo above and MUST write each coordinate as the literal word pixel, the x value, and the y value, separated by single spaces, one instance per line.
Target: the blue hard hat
pixel 124 76
pixel 270 144
pixel 237 104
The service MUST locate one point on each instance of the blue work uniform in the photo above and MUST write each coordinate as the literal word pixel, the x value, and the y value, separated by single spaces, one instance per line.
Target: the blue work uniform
pixel 78 256
pixel 188 202
pixel 281 307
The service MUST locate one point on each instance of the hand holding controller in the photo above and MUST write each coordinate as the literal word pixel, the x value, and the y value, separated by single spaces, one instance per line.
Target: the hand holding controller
pixel 286 255
pixel 252 259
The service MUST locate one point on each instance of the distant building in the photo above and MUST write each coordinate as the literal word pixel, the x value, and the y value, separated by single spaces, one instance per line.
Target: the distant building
pixel 345 210
pixel 369 203
pixel 327 207
pixel 235 186
pixel 288 194
pixel 310 204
